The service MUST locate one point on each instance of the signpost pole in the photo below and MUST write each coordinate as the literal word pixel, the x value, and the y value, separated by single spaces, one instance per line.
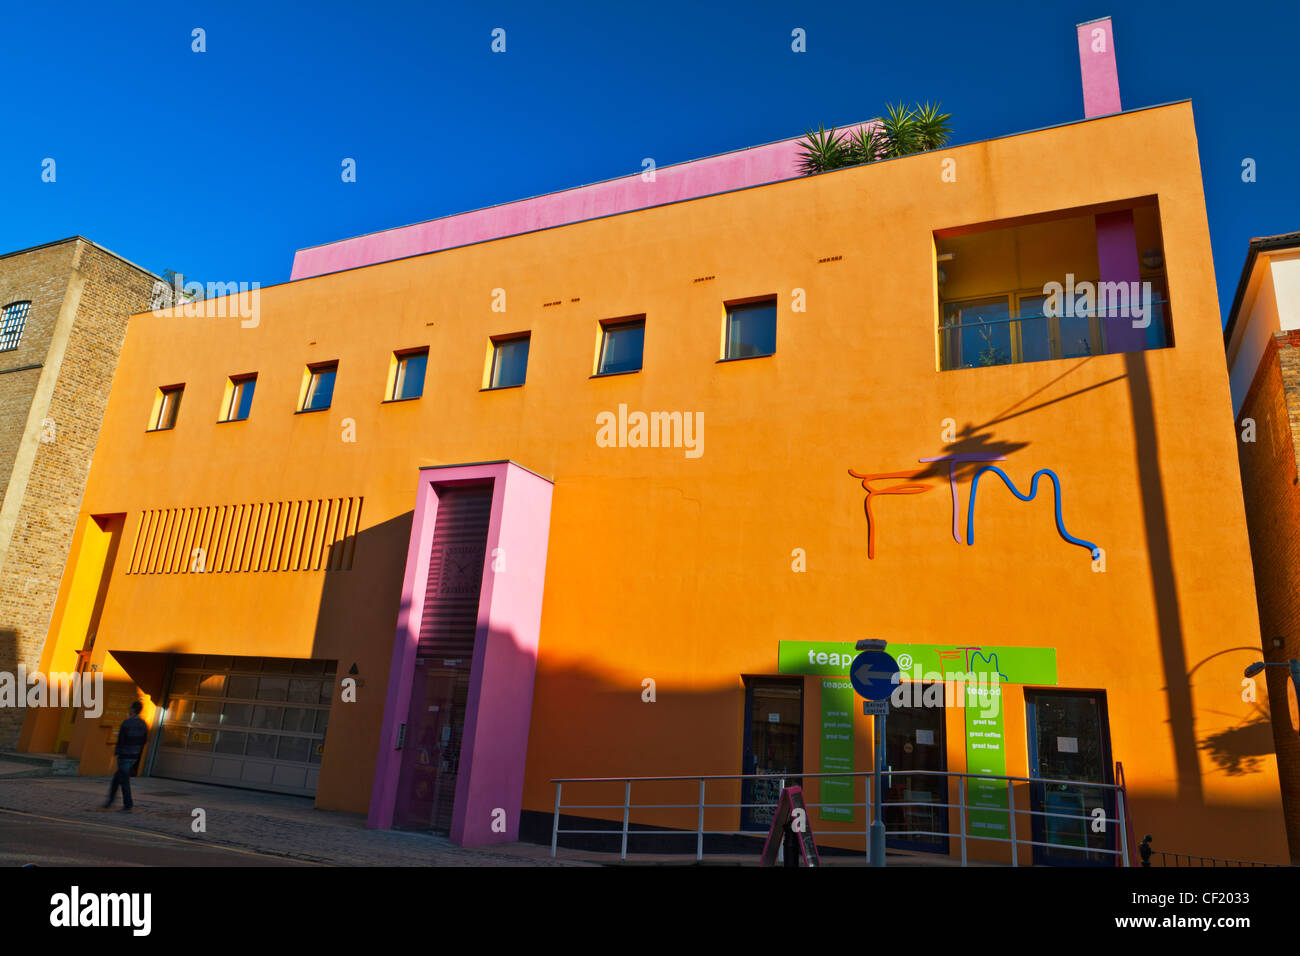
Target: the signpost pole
pixel 874 674
pixel 878 824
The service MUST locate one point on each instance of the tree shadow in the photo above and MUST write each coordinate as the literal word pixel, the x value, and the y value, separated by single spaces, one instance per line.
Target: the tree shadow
pixel 973 441
pixel 1241 750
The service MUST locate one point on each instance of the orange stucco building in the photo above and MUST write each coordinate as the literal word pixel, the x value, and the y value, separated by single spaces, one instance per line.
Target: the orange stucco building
pixel 908 299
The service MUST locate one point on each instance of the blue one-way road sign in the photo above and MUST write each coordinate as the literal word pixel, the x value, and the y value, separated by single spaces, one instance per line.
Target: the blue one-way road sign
pixel 872 674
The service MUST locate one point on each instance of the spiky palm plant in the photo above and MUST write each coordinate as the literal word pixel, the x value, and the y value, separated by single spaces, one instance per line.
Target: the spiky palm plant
pixel 866 144
pixel 898 129
pixel 932 127
pixel 902 131
pixel 822 150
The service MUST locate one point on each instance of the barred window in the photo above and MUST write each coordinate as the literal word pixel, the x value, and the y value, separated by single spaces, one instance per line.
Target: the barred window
pixel 12 321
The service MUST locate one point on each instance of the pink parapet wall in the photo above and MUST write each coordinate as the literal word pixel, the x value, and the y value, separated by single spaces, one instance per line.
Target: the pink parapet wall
pixel 755 166
pixel 1097 65
pixel 494 743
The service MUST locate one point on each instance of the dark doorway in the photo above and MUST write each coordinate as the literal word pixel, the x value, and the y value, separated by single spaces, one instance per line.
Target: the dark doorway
pixel 773 745
pixel 427 786
pixel 435 724
pixel 1069 740
pixel 915 740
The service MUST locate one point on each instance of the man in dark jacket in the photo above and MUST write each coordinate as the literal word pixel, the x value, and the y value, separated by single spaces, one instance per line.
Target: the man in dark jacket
pixel 130 745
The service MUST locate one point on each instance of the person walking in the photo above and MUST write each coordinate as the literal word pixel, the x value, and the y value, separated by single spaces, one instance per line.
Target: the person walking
pixel 131 737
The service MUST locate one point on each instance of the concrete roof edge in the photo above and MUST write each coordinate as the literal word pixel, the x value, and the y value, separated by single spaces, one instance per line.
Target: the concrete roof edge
pixel 92 242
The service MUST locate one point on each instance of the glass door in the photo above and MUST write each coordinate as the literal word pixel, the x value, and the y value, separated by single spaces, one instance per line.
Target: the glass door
pixel 426 793
pixel 977 332
pixel 914 740
pixel 773 745
pixel 1069 740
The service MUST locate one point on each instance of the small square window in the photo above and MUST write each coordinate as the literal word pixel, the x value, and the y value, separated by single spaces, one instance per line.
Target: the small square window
pixel 319 392
pixel 751 330
pixel 12 321
pixel 622 346
pixel 239 398
pixel 408 375
pixel 509 362
pixel 166 406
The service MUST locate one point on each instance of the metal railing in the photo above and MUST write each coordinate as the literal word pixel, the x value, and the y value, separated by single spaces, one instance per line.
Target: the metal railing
pixel 1194 860
pixel 1017 340
pixel 963 808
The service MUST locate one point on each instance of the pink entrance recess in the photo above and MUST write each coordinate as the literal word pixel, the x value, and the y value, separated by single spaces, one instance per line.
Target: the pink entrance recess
pixel 490 781
pixel 755 166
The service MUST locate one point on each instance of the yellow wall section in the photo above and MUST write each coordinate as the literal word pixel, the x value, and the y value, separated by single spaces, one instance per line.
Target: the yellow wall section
pixel 80 600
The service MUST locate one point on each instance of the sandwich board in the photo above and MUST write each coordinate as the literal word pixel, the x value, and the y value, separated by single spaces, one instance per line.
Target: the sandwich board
pixel 791 818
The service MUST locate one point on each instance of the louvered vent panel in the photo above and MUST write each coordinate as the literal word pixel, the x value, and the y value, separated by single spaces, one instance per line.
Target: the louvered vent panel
pixel 455 574
pixel 318 534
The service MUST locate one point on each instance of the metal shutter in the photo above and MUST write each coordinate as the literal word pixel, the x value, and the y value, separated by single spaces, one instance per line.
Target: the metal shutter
pixel 455 573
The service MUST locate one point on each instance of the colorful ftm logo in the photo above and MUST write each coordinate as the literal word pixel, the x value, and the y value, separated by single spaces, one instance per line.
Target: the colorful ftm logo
pixel 912 486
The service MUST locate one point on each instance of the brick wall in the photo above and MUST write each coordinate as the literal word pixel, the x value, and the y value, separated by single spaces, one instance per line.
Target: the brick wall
pixel 1270 474
pixel 43 531
pixel 41 277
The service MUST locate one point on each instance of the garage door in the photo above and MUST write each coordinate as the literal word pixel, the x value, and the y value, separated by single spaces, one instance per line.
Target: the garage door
pixel 256 722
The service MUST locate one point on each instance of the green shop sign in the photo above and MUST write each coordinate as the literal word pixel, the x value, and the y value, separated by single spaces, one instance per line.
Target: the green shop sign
pixel 983 669
pixel 838 704
pixel 1012 665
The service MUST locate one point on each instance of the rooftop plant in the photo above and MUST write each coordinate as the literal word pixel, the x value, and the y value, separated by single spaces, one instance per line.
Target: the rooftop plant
pixel 903 130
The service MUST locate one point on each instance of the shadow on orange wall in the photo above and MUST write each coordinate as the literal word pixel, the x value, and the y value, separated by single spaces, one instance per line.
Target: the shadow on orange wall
pixel 363 602
pixel 1177 687
pixel 1240 750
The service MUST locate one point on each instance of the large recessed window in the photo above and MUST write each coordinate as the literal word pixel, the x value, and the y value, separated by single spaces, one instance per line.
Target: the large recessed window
pixel 12 321
pixel 509 362
pixel 1037 290
pixel 1016 327
pixel 751 330
pixel 622 343
pixel 318 390
pixel 408 374
pixel 166 406
pixel 239 398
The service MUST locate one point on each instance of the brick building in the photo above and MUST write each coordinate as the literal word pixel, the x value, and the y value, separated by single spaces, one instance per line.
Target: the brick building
pixel 1263 342
pixel 63 314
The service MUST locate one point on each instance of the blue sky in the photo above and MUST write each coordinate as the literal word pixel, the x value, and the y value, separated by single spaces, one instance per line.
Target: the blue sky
pixel 221 164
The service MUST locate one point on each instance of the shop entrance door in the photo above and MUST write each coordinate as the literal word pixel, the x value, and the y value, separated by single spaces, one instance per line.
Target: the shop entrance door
pixel 914 740
pixel 773 745
pixel 1069 740
pixel 431 751
pixel 435 724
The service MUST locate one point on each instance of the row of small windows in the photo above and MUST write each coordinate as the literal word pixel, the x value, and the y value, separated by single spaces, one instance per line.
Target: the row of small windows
pixel 12 322
pixel 750 333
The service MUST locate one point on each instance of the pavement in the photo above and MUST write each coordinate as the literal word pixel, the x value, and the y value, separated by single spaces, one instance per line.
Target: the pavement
pixel 28 838
pixel 60 820
pixel 41 816
pixel 11 769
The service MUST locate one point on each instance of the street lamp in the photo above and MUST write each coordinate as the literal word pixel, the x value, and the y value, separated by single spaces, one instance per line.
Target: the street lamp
pixel 1293 664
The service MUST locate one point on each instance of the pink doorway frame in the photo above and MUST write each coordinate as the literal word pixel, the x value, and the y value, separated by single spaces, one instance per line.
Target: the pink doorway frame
pixel 490 781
